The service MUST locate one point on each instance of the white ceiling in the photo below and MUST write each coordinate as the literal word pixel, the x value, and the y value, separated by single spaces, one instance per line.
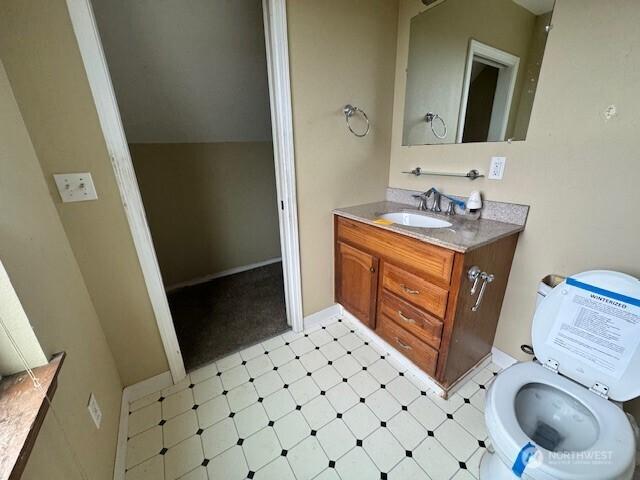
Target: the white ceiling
pixel 187 71
pixel 537 7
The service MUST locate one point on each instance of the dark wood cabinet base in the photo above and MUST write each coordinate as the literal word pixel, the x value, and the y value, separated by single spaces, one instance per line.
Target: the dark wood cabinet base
pixel 417 296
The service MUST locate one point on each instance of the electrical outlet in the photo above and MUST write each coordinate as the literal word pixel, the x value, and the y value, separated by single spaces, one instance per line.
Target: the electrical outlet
pixel 94 410
pixel 496 170
pixel 75 187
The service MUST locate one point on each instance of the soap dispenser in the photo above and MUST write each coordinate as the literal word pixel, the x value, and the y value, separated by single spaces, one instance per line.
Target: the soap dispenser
pixel 474 204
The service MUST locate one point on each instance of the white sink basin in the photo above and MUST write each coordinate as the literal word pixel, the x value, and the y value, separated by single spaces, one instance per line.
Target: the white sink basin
pixel 415 220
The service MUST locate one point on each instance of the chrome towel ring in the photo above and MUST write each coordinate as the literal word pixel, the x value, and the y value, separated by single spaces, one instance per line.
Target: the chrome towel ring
pixel 430 117
pixel 349 111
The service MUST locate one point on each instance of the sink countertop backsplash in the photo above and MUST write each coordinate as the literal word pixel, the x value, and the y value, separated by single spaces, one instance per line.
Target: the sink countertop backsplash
pixel 465 234
pixel 499 211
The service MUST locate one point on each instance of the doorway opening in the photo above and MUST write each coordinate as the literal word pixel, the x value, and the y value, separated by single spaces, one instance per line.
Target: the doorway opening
pixel 222 315
pixel 195 108
pixel 482 91
pixel 487 94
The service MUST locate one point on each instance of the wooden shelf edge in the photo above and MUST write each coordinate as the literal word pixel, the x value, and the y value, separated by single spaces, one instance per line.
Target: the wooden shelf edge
pixel 23 409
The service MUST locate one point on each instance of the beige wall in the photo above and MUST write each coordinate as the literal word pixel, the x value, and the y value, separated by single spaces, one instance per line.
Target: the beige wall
pixel 438 55
pixel 39 260
pixel 187 72
pixel 210 206
pixel 40 53
pixel 340 52
pixel 578 171
pixel 21 346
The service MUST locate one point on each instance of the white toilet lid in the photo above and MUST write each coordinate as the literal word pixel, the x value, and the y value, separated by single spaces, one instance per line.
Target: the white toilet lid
pixel 590 326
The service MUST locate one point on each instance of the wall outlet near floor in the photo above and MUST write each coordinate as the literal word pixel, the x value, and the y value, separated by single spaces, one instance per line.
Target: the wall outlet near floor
pixel 496 170
pixel 94 410
pixel 75 187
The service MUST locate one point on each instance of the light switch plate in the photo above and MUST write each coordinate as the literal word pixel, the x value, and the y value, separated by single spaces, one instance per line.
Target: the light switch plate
pixel 75 187
pixel 94 410
pixel 496 169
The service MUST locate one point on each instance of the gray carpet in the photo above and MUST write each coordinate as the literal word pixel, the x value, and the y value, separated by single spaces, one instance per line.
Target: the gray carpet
pixel 224 315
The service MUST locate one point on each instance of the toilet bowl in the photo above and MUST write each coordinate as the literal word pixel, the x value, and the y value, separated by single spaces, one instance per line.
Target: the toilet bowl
pixel 559 417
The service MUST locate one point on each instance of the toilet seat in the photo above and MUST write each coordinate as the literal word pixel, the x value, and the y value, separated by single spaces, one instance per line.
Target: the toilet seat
pixel 615 434
pixel 622 383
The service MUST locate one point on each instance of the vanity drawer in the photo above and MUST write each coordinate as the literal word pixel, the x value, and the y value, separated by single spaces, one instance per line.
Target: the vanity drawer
pixel 409 345
pixel 415 321
pixel 414 289
pixel 421 257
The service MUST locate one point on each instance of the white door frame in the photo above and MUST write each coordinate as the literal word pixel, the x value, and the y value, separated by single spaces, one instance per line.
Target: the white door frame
pixel 507 76
pixel 86 31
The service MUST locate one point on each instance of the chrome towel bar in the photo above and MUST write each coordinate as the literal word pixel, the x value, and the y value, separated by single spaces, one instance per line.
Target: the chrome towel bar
pixel 471 174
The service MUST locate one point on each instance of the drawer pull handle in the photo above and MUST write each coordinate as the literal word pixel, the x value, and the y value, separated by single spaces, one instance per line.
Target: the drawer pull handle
pixel 403 345
pixel 409 290
pixel 406 319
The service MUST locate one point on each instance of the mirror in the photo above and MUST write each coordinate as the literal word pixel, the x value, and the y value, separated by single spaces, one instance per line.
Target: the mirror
pixel 473 70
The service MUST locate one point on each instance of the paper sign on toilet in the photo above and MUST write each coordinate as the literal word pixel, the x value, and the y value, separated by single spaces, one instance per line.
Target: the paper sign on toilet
pixel 599 327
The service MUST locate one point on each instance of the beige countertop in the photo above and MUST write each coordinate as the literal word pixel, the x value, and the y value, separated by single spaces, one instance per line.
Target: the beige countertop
pixel 463 235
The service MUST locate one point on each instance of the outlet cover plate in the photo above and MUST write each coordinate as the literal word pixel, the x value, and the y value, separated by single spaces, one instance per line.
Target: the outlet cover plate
pixel 75 187
pixel 496 169
pixel 94 410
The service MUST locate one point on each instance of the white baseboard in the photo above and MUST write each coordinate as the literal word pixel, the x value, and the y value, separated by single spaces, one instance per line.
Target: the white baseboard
pixel 224 273
pixel 148 386
pixel 120 464
pixel 131 394
pixel 497 356
pixel 317 318
pixel 501 359
pixel 395 354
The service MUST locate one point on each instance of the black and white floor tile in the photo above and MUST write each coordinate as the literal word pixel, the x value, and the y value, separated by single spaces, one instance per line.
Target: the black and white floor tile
pixel 324 404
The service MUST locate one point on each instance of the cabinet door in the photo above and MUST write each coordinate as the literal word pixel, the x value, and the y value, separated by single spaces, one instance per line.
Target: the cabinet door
pixel 356 282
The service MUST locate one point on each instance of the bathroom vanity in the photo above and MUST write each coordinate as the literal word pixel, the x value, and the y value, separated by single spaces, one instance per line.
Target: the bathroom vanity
pixel 415 286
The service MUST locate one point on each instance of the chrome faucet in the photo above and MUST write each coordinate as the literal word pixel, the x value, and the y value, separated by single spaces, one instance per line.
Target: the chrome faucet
pixel 451 208
pixel 435 206
pixel 423 197
pixel 422 201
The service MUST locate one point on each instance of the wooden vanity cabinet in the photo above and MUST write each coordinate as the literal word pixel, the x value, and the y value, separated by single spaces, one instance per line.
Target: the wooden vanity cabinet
pixel 416 295
pixel 356 288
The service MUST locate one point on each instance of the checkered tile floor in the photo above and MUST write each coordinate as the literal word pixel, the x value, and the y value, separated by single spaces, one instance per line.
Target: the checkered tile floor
pixel 324 404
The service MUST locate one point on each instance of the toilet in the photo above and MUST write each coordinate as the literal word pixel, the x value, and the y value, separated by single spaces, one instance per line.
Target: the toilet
pixel 560 416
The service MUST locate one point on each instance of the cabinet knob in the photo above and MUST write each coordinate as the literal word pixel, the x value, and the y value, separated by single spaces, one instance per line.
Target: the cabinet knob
pixel 372 269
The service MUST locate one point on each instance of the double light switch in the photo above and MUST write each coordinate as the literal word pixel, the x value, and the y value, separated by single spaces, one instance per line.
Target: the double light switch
pixel 75 187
